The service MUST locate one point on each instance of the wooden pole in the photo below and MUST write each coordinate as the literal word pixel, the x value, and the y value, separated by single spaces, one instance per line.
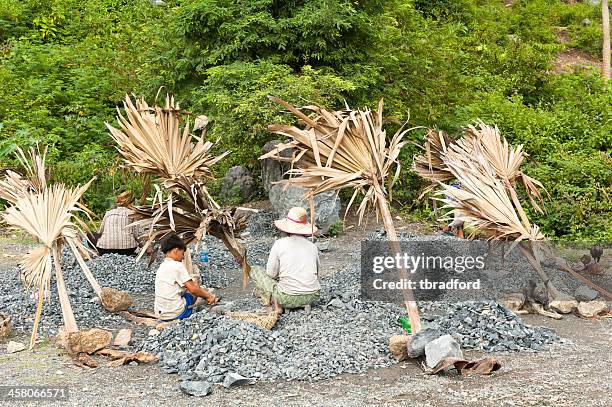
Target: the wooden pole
pixel 529 254
pixel 67 314
pixel 411 305
pixel 41 294
pixel 86 270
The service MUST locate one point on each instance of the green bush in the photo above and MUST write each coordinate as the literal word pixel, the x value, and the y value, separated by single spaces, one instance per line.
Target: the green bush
pixel 66 64
pixel 569 144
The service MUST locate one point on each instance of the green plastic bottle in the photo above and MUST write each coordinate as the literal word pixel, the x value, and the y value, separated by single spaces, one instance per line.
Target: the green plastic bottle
pixel 405 323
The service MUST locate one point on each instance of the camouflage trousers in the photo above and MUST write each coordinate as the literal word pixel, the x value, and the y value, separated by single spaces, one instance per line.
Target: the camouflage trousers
pixel 267 288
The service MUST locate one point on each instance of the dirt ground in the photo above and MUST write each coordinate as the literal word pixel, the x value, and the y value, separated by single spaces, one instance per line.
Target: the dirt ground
pixel 574 373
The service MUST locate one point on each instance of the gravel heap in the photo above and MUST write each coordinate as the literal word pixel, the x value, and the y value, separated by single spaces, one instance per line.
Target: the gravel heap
pixel 490 326
pixel 343 334
pixel 111 270
pixel 22 306
pixel 328 342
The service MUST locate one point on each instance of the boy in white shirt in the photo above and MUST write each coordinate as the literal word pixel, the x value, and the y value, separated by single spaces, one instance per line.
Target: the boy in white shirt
pixel 175 290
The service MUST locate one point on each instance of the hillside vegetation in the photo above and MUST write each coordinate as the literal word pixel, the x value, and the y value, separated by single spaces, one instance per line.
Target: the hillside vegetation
pixel 66 65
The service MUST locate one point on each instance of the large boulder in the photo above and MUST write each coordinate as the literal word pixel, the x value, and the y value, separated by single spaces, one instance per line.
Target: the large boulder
pixel 284 196
pixel 398 345
pixel 563 304
pixel 197 388
pixel 238 185
pixel 417 343
pixel 271 170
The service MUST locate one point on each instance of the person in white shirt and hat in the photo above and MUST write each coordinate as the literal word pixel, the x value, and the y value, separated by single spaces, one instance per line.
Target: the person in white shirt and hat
pixel 291 278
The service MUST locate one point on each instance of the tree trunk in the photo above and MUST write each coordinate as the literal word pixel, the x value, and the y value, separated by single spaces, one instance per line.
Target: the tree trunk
pixel 605 17
pixel 67 314
pixel 411 305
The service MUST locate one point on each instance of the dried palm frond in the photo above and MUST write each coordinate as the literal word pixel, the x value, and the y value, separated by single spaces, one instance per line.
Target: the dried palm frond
pixel 192 218
pixel 346 149
pixel 14 185
pixel 485 202
pixel 485 143
pixel 341 149
pixel 430 165
pixel 505 159
pixel 49 217
pixel 488 170
pixel 151 142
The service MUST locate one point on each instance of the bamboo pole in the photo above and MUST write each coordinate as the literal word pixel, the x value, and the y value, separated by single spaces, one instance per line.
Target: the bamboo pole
pixel 409 302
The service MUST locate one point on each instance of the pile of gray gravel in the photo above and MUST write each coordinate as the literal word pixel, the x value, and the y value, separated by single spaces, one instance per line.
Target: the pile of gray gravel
pixel 490 326
pixel 328 342
pixel 110 270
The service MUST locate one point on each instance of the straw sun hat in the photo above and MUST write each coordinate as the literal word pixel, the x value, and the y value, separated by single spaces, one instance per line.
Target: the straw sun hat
pixel 296 223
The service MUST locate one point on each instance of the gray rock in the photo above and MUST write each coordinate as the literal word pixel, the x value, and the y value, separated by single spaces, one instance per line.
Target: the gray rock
pixel 272 170
pixel 416 347
pixel 585 293
pixel 234 379
pixel 238 185
pixel 326 205
pixel 585 22
pixel 198 388
pixel 443 347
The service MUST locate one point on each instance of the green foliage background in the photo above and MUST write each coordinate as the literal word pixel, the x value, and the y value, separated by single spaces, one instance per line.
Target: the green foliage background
pixel 66 64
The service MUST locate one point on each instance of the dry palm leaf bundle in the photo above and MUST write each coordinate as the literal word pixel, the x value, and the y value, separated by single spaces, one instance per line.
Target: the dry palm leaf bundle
pixel 506 161
pixel 481 141
pixel 488 170
pixel 151 142
pixel 346 149
pixel 430 165
pixel 14 185
pixel 48 214
pixel 192 218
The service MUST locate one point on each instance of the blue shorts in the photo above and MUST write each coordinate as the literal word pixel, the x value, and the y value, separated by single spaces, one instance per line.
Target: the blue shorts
pixel 189 300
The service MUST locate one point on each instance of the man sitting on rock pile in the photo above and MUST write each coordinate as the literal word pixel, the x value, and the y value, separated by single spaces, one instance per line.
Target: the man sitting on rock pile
pixel 291 278
pixel 175 289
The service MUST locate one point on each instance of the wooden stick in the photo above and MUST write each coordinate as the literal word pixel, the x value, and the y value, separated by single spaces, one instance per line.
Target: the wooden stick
pixel 411 305
pixel 67 314
pixel 535 263
pixel 41 291
pixel 88 274
pixel 586 281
